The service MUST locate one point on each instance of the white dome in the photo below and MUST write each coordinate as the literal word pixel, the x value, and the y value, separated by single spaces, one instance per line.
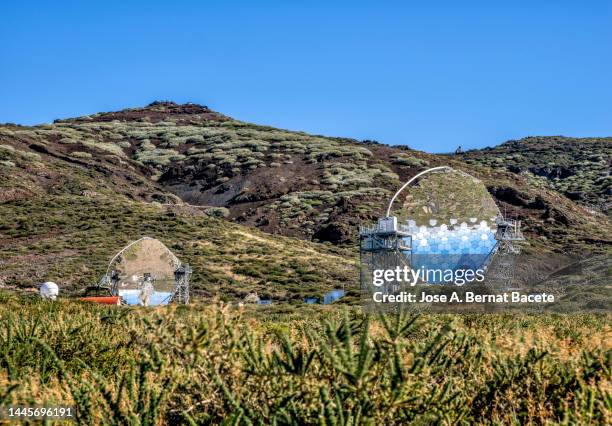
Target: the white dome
pixel 48 290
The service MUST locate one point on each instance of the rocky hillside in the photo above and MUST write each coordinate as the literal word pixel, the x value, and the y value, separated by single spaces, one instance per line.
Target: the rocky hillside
pixel 71 238
pixel 82 187
pixel 578 168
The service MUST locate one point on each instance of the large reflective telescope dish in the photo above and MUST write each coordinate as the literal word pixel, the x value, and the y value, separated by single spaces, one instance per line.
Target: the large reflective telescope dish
pixel 143 273
pixel 450 217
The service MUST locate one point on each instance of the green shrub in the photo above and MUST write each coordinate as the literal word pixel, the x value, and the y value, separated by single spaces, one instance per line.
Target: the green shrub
pixel 80 154
pixel 295 364
pixel 217 212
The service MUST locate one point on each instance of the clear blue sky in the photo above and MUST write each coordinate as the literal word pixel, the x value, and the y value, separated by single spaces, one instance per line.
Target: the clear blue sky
pixel 432 75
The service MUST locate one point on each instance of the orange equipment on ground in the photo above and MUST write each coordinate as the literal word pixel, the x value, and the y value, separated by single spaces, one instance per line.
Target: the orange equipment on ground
pixel 104 300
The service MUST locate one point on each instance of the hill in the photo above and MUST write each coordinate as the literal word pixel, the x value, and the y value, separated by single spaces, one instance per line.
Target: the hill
pixel 74 191
pixel 578 168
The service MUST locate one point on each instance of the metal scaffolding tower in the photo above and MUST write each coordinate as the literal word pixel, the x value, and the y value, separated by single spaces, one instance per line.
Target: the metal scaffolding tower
pixel 500 272
pixel 385 245
pixel 181 285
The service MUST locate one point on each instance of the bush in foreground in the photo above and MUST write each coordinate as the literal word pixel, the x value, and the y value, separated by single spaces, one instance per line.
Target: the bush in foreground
pixel 208 365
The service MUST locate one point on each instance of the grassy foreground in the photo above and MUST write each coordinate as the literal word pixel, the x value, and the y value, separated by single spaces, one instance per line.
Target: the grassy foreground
pixel 314 365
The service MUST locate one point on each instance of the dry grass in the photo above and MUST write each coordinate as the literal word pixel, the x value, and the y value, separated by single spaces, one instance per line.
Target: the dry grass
pixel 315 365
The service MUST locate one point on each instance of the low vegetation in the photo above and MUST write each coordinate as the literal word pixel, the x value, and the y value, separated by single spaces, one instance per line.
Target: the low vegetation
pixel 317 365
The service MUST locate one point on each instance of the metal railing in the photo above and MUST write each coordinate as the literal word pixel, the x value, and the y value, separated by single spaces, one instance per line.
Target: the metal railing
pixel 377 229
